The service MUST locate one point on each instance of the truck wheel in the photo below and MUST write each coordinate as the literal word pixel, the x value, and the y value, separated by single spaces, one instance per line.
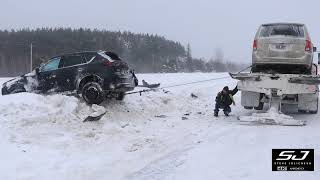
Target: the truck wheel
pixel 260 107
pixel 92 93
pixel 120 96
pixel 248 107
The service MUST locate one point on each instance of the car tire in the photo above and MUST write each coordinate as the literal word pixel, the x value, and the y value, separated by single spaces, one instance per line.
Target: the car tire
pixel 248 107
pixel 313 112
pixel 92 93
pixel 120 96
pixel 260 107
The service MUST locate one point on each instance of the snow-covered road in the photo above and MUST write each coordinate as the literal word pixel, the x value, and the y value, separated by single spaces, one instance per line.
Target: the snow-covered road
pixel 154 136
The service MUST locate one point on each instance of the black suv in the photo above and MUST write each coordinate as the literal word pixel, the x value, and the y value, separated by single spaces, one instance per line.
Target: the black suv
pixel 94 75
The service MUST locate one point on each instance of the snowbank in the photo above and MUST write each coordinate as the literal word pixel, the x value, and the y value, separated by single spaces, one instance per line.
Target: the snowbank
pixel 159 135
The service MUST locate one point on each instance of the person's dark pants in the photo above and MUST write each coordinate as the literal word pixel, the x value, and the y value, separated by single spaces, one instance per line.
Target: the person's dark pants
pixel 226 109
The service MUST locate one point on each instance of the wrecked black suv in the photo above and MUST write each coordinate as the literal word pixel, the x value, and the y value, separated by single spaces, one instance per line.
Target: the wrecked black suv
pixel 95 75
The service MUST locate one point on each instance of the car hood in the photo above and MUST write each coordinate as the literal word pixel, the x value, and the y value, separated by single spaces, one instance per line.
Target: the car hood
pixel 23 79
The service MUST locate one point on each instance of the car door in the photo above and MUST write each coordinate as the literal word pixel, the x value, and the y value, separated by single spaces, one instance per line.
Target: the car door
pixel 71 66
pixel 47 77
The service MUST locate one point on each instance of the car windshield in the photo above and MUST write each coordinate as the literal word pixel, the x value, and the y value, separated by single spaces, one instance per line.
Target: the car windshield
pixel 282 30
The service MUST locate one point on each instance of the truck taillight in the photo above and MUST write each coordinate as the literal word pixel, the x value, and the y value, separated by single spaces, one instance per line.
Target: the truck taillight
pixel 308 46
pixel 255 45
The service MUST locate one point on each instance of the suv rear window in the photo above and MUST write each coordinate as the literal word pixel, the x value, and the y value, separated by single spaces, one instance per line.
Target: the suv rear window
pixel 282 30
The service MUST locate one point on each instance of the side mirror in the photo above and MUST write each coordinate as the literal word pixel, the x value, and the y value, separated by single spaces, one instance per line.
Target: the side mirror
pixel 314 49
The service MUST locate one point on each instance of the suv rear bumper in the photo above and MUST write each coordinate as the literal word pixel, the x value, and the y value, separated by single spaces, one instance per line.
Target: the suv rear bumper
pixel 305 60
pixel 121 84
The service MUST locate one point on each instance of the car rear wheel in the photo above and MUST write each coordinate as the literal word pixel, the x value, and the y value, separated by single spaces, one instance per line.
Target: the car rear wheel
pixel 92 93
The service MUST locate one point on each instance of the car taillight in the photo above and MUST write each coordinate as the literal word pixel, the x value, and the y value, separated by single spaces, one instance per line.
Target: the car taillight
pixel 308 46
pixel 255 45
pixel 108 63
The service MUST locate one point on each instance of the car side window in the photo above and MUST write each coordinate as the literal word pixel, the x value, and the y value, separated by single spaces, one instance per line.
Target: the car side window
pixel 89 56
pixel 72 60
pixel 53 64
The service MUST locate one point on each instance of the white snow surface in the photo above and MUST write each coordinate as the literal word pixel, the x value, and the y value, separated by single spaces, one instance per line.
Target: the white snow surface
pixel 145 137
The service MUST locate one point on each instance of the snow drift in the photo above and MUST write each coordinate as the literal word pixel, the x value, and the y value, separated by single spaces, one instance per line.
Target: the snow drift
pixel 154 136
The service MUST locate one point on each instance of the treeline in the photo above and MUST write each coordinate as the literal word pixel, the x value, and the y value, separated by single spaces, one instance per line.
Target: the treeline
pixel 145 53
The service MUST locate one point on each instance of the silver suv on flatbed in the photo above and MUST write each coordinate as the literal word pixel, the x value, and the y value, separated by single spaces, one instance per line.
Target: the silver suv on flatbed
pixel 284 48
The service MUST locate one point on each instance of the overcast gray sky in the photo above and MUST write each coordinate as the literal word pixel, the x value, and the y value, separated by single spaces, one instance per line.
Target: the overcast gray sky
pixel 206 24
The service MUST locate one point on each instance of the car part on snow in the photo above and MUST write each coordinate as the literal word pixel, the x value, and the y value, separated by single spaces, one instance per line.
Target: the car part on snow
pixel 161 116
pixel 94 118
pixel 273 116
pixel 147 85
pixel 99 112
pixel 193 95
pixel 183 118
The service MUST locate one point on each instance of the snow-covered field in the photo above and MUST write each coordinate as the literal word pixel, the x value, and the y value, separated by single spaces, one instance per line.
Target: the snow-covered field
pixel 145 137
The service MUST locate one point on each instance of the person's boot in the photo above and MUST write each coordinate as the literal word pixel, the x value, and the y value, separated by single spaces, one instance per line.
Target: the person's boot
pixel 227 111
pixel 215 114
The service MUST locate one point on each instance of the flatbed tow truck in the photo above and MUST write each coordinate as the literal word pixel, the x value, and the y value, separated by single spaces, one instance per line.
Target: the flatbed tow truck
pixel 282 72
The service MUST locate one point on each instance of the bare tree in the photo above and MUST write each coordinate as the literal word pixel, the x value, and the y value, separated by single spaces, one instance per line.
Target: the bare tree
pixel 218 61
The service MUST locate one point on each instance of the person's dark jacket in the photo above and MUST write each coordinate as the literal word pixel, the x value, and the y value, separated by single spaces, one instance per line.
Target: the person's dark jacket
pixel 226 99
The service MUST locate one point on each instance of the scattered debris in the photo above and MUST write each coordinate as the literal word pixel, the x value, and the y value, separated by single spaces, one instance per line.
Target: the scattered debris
pixel 184 118
pixel 272 117
pixel 94 118
pixel 160 116
pixel 147 85
pixel 193 95
pixel 165 91
pixel 98 113
pixel 125 125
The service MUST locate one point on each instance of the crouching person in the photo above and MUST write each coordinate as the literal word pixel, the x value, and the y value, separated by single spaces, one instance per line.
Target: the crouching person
pixel 224 99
